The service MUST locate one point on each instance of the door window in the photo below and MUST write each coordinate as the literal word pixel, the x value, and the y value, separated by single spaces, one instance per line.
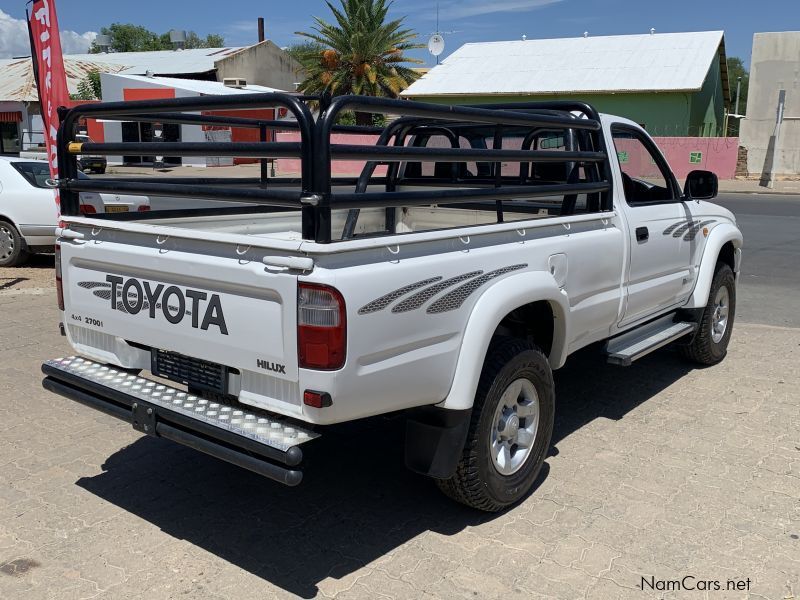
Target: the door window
pixel 644 179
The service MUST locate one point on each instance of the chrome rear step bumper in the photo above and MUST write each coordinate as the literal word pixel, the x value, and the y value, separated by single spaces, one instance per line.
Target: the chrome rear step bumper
pixel 264 444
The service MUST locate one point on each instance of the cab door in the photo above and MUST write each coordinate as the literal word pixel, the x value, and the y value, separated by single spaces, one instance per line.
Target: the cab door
pixel 659 273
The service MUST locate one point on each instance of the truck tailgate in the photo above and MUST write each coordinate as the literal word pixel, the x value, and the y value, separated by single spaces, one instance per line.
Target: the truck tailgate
pixel 227 310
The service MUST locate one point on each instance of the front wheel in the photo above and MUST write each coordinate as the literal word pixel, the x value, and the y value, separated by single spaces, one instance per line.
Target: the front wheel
pixel 510 428
pixel 13 251
pixel 710 343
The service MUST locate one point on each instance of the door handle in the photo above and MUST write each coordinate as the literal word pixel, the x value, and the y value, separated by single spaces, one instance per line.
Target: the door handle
pixel 642 234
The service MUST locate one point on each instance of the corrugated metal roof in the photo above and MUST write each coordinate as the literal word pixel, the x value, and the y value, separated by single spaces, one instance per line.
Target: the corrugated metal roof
pixel 18 85
pixel 194 85
pixel 162 62
pixel 17 82
pixel 617 63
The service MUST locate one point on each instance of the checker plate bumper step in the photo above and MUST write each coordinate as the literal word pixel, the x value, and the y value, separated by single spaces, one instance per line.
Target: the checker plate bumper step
pixel 263 443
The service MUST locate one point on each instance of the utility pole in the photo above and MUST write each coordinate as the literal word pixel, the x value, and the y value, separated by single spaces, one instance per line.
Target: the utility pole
pixel 437 27
pixel 738 93
pixel 777 139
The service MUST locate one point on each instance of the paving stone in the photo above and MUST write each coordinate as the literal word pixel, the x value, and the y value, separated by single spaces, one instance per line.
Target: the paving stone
pixel 657 470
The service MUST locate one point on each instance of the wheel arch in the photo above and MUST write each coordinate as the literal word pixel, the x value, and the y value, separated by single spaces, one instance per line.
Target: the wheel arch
pixel 724 244
pixel 527 294
pixel 7 219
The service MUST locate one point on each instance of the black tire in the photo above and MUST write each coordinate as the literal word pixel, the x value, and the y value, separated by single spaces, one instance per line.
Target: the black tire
pixel 477 482
pixel 704 349
pixel 100 171
pixel 13 250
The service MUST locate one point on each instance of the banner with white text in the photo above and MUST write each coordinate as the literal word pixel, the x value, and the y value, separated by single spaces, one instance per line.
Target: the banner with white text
pixel 51 78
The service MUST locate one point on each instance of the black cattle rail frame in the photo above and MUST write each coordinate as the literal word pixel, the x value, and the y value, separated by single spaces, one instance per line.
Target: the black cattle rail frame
pixel 313 191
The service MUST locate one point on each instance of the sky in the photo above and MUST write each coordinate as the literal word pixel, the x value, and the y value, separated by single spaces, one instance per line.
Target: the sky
pixel 469 20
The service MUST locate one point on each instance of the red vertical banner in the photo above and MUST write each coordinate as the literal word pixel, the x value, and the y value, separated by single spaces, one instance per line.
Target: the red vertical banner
pixel 51 78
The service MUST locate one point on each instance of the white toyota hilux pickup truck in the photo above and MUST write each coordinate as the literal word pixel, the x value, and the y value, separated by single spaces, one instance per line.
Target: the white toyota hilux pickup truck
pixel 477 250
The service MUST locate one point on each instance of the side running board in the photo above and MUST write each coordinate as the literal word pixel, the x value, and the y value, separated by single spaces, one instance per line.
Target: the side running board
pixel 634 344
pixel 255 440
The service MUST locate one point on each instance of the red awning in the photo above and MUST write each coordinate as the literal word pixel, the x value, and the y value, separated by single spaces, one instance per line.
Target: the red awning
pixel 11 117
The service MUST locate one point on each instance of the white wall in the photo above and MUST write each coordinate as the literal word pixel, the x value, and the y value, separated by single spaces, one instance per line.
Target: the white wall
pixel 775 65
pixel 113 91
pixel 261 64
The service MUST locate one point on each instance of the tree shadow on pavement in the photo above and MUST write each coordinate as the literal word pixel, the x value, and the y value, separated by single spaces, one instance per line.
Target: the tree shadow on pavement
pixel 10 282
pixel 357 502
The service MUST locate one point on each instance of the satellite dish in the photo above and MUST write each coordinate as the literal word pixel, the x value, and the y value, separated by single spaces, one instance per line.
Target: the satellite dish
pixel 436 44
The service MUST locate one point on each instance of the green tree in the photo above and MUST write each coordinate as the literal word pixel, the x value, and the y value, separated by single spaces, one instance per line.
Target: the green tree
pixel 89 87
pixel 126 37
pixel 300 49
pixel 737 69
pixel 362 53
pixel 212 40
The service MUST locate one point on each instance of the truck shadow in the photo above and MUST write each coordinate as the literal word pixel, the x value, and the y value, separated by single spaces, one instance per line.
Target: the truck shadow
pixel 357 504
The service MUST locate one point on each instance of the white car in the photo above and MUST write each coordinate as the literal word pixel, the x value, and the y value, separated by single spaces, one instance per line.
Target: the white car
pixel 116 203
pixel 28 212
pixel 450 288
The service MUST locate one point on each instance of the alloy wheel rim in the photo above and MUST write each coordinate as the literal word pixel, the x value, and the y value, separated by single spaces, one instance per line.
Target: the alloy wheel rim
pixel 516 420
pixel 6 243
pixel 719 318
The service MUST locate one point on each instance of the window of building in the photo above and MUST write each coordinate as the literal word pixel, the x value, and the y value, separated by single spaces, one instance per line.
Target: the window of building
pixel 9 138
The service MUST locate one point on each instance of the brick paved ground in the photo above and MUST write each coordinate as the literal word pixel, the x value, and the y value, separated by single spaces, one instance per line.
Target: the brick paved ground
pixel 657 471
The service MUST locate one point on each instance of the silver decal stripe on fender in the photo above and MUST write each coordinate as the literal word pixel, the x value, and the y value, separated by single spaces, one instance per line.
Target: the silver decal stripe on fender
pixel 674 226
pixel 384 301
pixel 420 298
pixel 453 300
pixel 684 228
pixel 694 229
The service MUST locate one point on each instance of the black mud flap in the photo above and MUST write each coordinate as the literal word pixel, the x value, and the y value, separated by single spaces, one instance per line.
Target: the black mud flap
pixel 435 440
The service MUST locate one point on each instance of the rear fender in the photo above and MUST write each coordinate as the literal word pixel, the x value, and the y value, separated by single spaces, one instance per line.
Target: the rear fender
pixel 498 301
pixel 719 236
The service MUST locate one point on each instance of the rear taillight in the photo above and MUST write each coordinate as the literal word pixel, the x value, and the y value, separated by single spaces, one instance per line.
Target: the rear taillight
pixel 59 284
pixel 87 209
pixel 143 208
pixel 321 327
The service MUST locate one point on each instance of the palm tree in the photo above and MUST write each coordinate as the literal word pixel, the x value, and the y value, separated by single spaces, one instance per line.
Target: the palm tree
pixel 361 54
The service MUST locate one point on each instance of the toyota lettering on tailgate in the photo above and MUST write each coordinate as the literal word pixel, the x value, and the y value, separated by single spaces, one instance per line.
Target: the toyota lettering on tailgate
pixel 133 296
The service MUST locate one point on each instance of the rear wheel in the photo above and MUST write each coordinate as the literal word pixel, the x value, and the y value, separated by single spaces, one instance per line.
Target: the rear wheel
pixel 710 343
pixel 510 429
pixel 13 251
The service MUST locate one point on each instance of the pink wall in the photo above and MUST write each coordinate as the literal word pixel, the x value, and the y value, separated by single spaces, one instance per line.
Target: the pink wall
pixel 717 154
pixel 291 166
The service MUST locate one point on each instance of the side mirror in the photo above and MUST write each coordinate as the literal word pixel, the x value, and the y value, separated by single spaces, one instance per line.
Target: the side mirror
pixel 700 185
